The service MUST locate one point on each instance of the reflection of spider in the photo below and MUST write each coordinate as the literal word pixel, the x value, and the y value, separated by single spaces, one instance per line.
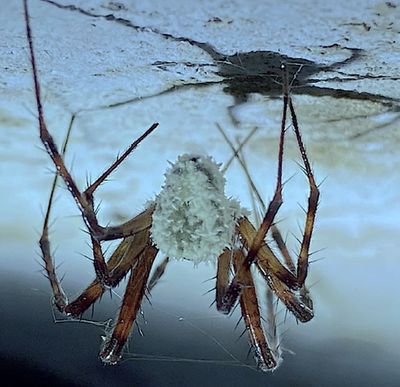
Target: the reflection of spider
pixel 191 218
pixel 244 73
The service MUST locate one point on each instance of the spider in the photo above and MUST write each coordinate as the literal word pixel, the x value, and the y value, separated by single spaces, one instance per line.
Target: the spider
pixel 191 218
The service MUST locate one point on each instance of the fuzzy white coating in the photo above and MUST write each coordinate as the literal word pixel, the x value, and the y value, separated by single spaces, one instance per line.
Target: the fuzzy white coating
pixel 193 219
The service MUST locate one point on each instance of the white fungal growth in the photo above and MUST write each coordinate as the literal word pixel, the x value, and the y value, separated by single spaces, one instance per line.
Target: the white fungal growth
pixel 193 219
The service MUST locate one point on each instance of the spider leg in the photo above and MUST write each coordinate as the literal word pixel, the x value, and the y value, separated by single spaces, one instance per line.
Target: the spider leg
pixel 272 330
pixel 279 279
pixel 111 349
pixel 237 154
pixel 304 295
pixel 236 150
pixel 258 240
pixel 251 315
pixel 266 258
pixel 60 299
pixel 304 292
pixel 92 187
pixel 130 227
pixel 124 258
pixel 223 268
pixel 158 273
pixel 120 262
pixel 84 200
pixel 169 90
pixel 276 201
pixel 300 307
pixel 278 239
pixel 302 264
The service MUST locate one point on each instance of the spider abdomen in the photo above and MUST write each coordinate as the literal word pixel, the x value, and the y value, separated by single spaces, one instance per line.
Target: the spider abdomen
pixel 193 219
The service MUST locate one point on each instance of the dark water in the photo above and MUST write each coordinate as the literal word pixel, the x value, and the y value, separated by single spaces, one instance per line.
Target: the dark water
pixel 34 349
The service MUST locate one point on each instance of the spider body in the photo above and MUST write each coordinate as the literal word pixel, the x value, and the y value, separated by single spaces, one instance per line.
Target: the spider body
pixel 193 219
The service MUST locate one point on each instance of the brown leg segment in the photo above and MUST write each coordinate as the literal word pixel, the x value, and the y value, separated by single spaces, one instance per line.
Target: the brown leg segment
pixel 222 279
pixel 60 299
pixel 301 310
pixel 111 349
pixel 251 314
pixel 302 264
pixel 265 255
pixel 304 294
pixel 124 258
pixel 277 236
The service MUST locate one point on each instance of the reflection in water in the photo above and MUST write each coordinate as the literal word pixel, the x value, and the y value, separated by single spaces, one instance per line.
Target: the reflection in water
pixel 246 73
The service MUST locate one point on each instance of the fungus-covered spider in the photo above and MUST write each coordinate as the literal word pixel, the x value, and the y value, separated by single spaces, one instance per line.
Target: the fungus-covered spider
pixel 193 219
